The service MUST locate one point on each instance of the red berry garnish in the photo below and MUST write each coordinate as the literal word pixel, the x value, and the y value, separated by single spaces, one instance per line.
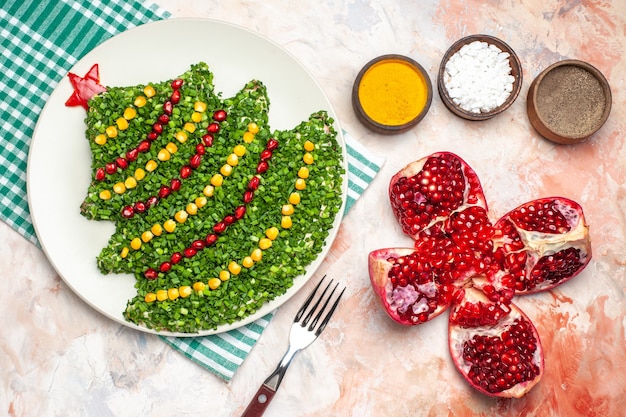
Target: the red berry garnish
pixel 175 98
pixel 200 149
pixel 100 174
pixel 198 244
pixel 189 252
pixel 151 274
pixel 152 136
pixel 164 119
pixel 157 128
pixel 230 219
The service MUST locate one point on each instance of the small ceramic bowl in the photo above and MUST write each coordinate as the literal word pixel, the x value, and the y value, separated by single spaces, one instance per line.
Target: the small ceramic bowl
pixel 568 101
pixel 391 94
pixel 516 72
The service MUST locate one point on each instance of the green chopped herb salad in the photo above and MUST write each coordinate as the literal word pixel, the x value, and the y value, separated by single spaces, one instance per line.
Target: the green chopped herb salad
pixel 215 214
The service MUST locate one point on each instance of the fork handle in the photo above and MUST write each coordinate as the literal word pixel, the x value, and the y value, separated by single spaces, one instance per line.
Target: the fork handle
pixel 259 402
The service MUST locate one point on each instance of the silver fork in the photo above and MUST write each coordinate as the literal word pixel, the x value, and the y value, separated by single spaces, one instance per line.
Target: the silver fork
pixel 304 330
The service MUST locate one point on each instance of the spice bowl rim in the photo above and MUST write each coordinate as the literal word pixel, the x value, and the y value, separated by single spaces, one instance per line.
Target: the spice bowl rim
pixel 539 123
pixel 516 72
pixel 383 128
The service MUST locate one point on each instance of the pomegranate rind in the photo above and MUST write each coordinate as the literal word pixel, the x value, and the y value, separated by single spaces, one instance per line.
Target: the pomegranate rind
pixel 544 248
pixel 458 336
pixel 432 212
pixel 394 300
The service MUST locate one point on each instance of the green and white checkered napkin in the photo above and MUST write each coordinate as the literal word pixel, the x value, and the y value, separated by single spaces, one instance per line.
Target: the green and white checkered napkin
pixel 40 42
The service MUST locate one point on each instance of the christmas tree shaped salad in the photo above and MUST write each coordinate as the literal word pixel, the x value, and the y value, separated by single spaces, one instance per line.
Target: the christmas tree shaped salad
pixel 215 214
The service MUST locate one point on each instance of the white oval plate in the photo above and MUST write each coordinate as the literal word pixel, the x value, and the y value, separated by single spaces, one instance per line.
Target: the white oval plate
pixel 59 162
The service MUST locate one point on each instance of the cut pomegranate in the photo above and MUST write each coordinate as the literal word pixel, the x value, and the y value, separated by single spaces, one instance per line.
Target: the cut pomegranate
pixel 463 261
pixel 407 287
pixel 497 352
pixel 431 189
pixel 543 243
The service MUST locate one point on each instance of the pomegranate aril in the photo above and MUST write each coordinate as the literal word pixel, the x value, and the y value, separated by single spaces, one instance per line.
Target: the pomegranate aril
pixel 265 155
pixel 200 149
pixel 175 97
pixel 229 219
pixel 164 119
pixel 165 267
pixel 100 174
pixel 110 168
pixel 140 207
pixel 271 144
pixel 240 212
pixel 185 171
pixel 152 136
pixel 219 115
pixel 253 184
pixel 248 196
pixel 177 83
pixel 128 212
pixel 262 167
pixel 207 140
pixel 122 163
pixel 157 128
pixel 132 155
pixel 175 184
pixel 195 161
pixel 189 252
pixel 213 128
pixel 219 227
pixel 151 274
pixel 152 201
pixel 164 191
pixel 210 239
pixel 176 257
pixel 168 107
pixel 197 244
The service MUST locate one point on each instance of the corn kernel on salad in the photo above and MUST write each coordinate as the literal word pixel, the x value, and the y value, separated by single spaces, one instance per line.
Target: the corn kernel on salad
pixel 215 214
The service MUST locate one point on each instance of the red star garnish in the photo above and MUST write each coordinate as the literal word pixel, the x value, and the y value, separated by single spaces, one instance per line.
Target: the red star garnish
pixel 85 87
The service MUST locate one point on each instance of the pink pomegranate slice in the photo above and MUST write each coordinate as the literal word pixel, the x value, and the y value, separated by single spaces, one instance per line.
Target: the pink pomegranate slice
pixel 543 243
pixel 496 349
pixel 429 190
pixel 407 286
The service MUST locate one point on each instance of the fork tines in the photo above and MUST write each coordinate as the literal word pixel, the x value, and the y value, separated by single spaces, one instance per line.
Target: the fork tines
pixel 315 306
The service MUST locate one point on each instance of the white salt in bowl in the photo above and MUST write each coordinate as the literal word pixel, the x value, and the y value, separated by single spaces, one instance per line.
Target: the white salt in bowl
pixel 476 81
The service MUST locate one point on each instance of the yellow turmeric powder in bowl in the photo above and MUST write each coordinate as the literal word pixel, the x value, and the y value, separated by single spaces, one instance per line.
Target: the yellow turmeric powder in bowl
pixel 391 94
